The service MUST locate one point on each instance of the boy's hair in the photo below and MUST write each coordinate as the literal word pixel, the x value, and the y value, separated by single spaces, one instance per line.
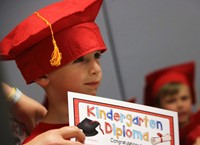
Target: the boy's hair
pixel 169 89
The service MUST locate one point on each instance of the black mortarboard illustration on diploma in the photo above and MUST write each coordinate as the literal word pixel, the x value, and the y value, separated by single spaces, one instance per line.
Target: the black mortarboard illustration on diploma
pixel 89 127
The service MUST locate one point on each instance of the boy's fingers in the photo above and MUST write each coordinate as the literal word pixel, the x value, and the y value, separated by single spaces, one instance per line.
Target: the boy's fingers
pixel 72 132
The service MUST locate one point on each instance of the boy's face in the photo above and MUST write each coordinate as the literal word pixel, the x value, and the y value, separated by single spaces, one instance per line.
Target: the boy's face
pixel 180 102
pixel 82 75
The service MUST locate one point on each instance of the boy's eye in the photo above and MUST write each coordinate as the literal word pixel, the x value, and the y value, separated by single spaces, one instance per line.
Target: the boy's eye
pixel 170 100
pixel 185 98
pixel 79 60
pixel 97 55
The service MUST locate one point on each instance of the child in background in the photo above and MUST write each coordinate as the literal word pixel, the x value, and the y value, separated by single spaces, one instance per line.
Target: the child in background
pixel 173 88
pixel 58 47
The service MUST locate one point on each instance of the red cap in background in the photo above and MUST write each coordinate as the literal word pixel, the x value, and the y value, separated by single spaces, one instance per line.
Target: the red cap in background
pixel 182 73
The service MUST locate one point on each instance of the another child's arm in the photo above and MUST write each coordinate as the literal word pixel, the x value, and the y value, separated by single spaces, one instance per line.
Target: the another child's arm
pixel 26 110
pixel 60 136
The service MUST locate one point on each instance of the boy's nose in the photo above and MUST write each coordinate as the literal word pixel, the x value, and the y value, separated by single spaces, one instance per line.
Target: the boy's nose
pixel 180 104
pixel 95 68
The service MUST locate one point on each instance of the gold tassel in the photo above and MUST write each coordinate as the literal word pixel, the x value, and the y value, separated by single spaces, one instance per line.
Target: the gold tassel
pixel 56 56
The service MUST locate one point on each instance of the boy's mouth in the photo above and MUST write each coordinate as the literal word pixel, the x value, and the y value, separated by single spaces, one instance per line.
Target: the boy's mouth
pixel 94 84
pixel 182 114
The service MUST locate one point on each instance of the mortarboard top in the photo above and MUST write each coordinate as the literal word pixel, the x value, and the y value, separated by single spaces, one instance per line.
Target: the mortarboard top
pixel 69 23
pixel 182 73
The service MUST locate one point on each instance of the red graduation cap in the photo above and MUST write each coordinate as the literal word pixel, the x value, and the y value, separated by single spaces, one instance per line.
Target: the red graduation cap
pixel 53 36
pixel 182 73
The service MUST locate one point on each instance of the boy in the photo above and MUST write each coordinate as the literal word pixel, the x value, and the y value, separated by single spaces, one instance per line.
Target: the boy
pixel 59 48
pixel 173 88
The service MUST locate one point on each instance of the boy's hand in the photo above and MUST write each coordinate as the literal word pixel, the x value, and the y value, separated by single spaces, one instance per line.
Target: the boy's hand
pixel 197 141
pixel 60 136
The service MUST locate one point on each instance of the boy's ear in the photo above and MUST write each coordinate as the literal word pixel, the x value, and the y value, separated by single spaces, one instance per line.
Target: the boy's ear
pixel 42 81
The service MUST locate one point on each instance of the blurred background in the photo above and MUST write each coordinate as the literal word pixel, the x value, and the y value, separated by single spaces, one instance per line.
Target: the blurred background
pixel 141 36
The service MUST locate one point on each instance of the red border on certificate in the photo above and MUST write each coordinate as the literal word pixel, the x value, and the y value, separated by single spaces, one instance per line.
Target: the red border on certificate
pixel 76 102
